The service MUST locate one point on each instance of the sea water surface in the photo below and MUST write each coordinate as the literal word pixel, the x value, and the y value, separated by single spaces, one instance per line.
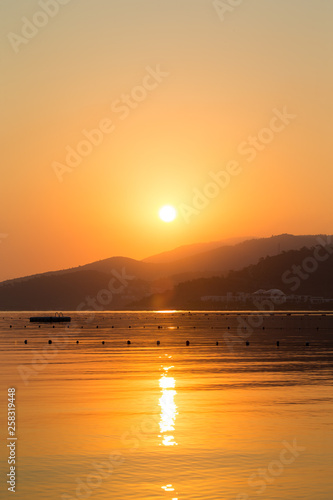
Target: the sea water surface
pixel 169 421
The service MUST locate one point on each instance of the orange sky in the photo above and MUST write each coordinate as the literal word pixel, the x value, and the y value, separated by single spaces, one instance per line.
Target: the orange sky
pixel 178 95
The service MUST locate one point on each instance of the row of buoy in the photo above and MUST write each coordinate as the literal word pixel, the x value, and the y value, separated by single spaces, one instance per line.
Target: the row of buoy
pixel 194 327
pixel 128 342
pixel 247 343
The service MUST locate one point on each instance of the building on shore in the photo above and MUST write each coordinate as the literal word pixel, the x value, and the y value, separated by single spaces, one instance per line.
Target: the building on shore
pixel 275 295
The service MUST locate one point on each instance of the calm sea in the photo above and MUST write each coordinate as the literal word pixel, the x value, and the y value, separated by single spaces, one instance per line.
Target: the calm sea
pixel 169 421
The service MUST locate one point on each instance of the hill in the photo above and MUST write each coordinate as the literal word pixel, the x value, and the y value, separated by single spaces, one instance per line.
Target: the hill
pixel 295 273
pixel 79 287
pixel 189 250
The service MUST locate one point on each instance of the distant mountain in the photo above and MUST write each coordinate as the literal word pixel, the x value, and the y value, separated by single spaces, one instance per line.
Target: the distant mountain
pixel 211 262
pixel 295 272
pixel 70 288
pixel 221 260
pixel 189 250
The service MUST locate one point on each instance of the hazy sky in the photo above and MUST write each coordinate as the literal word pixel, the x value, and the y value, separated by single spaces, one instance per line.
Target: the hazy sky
pixel 183 92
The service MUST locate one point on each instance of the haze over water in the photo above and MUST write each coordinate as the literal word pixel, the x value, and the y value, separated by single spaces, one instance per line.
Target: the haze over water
pixel 179 422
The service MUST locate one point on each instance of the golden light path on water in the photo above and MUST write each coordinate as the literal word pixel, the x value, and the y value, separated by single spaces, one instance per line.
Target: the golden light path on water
pixel 168 408
pixel 169 487
pixel 168 414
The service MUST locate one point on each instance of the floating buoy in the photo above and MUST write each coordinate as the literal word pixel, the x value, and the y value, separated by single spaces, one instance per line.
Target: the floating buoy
pixel 307 344
pixel 53 326
pixel 77 341
pixel 247 343
pixel 277 343
pixel 158 342
pixel 25 341
pixel 217 343
pixel 50 341
pixel 10 326
pixel 187 342
pixel 96 326
pixel 130 326
pixel 128 342
pixel 103 342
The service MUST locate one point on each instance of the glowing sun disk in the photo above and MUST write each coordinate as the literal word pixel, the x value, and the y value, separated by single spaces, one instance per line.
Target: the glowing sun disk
pixel 167 213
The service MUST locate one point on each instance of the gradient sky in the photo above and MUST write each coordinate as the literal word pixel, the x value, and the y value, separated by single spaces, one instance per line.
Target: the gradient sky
pixel 223 82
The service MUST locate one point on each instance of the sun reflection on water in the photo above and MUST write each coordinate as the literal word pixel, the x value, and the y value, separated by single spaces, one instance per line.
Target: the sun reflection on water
pixel 169 487
pixel 168 407
pixel 168 416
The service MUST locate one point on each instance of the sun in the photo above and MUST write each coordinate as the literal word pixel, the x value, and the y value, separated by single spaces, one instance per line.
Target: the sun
pixel 167 213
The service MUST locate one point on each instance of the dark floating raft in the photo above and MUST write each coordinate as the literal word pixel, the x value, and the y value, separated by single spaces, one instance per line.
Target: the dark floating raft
pixel 57 318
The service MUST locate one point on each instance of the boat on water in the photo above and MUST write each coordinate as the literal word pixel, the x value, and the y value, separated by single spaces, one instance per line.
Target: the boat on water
pixel 57 318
